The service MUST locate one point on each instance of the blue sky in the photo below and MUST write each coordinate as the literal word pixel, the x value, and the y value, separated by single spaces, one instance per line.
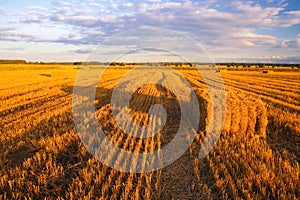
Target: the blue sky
pixel 240 31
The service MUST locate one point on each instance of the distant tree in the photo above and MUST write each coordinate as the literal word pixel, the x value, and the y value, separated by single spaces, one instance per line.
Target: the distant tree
pixel 12 61
pixel 113 64
pixel 262 65
pixel 77 63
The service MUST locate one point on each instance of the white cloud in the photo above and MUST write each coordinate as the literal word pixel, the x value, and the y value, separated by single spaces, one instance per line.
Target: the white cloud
pixel 294 13
pixel 13 36
pixel 247 7
pixel 248 43
pixel 154 1
pixel 98 5
pixel 115 6
pixel 34 8
pixel 85 50
pixel 277 59
pixel 167 5
pixel 33 19
pixel 128 5
pixel 61 3
pixel 256 38
pixel 288 19
pixel 295 43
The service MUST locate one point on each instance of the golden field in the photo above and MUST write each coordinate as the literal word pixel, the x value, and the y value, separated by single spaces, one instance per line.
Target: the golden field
pixel 42 157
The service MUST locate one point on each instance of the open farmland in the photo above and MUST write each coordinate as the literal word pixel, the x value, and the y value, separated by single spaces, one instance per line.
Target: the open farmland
pixel 41 155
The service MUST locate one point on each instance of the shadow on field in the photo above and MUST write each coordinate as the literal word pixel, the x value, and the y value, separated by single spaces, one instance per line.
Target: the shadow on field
pixel 53 145
pixel 43 150
pixel 141 103
pixel 20 154
pixel 283 140
pixel 177 181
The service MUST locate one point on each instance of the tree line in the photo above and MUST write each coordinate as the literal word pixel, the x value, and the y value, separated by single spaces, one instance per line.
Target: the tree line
pixel 177 64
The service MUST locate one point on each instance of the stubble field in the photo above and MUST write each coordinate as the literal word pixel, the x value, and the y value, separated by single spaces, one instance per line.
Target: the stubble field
pixel 42 157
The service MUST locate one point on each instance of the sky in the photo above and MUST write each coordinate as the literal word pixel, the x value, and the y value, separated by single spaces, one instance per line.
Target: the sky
pixel 228 31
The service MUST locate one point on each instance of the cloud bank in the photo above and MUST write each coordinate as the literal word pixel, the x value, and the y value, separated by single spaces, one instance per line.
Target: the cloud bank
pixel 228 31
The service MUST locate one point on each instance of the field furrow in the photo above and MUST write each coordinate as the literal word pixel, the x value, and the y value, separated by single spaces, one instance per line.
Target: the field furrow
pixel 285 86
pixel 42 156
